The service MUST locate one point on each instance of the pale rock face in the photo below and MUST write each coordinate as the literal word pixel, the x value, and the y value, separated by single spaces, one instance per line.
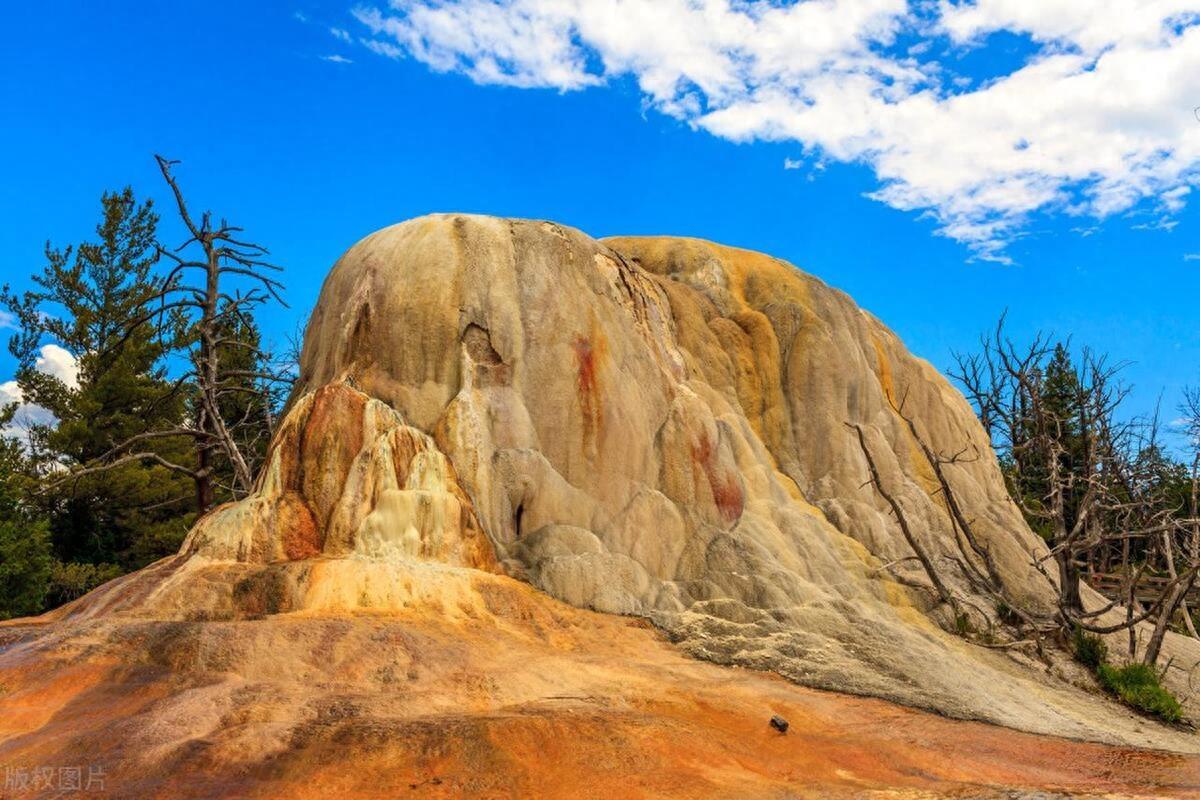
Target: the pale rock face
pixel 651 426
pixel 659 426
pixel 347 478
pixel 355 510
pixel 684 403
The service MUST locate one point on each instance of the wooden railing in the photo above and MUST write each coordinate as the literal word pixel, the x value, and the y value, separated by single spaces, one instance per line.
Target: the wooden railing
pixel 1149 588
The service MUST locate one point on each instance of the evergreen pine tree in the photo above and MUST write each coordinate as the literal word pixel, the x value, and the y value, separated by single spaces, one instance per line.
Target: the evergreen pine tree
pixel 1056 389
pixel 84 301
pixel 25 560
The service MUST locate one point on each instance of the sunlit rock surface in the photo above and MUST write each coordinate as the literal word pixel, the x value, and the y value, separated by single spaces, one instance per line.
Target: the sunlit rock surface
pixel 660 426
pixel 656 427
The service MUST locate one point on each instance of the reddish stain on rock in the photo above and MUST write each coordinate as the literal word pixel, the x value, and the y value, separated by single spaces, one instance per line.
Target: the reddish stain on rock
pixel 331 438
pixel 728 496
pixel 286 448
pixel 405 447
pixel 587 357
pixel 726 491
pixel 301 536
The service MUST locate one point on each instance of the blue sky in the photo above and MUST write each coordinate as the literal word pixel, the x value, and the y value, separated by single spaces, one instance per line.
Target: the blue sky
pixel 936 237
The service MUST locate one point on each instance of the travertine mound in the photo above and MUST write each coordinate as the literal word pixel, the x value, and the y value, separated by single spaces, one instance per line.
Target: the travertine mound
pixel 648 426
pixel 670 427
pixel 346 477
pixel 354 510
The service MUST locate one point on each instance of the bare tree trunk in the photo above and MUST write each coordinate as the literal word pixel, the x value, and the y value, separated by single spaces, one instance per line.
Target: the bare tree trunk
pixel 942 591
pixel 1194 548
pixel 1169 555
pixel 209 372
pixel 224 253
pixel 957 518
pixel 1068 581
pixel 1130 607
pixel 1174 598
pixel 205 497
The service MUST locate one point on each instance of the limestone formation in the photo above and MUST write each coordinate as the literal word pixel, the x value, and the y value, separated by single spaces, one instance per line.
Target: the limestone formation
pixel 658 427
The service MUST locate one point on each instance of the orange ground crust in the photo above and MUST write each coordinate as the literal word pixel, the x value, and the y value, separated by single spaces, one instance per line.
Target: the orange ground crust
pixel 527 698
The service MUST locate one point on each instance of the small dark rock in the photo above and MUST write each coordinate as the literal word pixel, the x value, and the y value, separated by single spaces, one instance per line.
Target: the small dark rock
pixel 779 723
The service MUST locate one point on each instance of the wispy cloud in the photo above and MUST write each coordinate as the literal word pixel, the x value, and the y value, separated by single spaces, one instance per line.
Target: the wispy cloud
pixel 1191 256
pixel 7 320
pixel 336 59
pixel 341 33
pixel 1096 120
pixel 1160 224
pixel 383 48
pixel 811 168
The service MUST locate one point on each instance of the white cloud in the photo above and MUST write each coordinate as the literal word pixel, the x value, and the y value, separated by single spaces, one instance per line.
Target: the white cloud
pixel 1088 24
pixel 9 393
pixel 58 362
pixel 493 43
pixel 26 416
pixel 812 169
pixel 1173 199
pixel 1160 224
pixel 383 48
pixel 53 360
pixel 7 320
pixel 1096 120
pixel 341 33
pixel 1191 256
pixel 336 59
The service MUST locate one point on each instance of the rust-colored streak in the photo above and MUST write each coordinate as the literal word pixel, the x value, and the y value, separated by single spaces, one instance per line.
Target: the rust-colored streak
pixel 728 497
pixel 286 447
pixel 587 358
pixel 301 536
pixel 405 447
pixel 726 492
pixel 332 437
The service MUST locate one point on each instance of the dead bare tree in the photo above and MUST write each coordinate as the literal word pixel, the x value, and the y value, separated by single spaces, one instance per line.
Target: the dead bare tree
pixel 938 586
pixel 1190 419
pixel 1075 468
pixel 1152 514
pixel 194 287
pixel 942 591
pixel 1029 431
pixel 232 383
pixel 984 577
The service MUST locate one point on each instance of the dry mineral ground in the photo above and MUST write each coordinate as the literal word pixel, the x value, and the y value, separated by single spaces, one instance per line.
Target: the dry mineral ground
pixel 499 692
